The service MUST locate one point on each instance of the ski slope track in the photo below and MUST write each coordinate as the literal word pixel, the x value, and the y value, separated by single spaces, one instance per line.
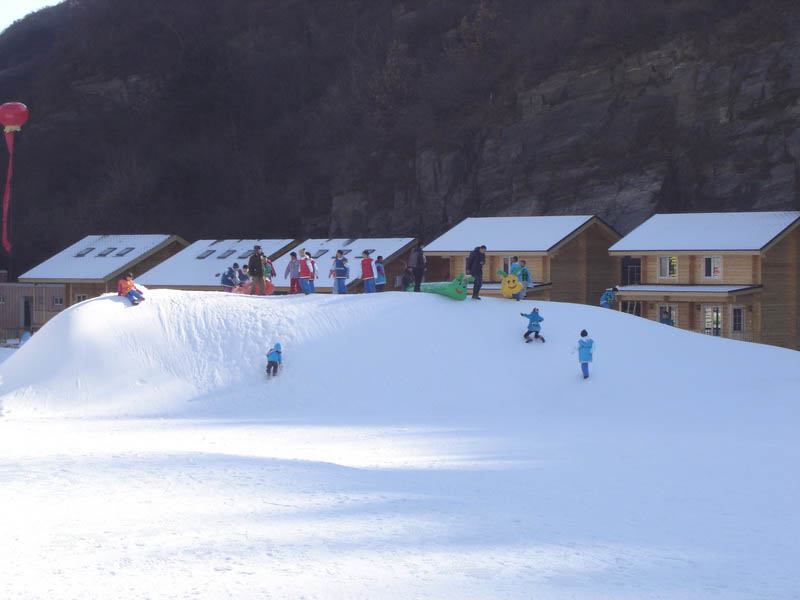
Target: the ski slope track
pixel 411 447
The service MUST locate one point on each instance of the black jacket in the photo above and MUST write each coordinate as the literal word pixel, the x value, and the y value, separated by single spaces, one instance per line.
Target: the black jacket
pixel 475 262
pixel 256 265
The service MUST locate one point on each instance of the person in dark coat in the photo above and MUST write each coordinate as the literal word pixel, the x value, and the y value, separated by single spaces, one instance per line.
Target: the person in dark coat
pixel 257 264
pixel 416 260
pixel 475 262
pixel 407 279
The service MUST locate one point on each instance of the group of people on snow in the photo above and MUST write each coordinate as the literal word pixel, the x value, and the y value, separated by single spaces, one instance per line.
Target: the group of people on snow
pixel 302 272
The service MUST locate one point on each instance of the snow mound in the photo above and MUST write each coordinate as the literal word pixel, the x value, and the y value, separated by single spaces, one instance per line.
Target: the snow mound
pixel 203 353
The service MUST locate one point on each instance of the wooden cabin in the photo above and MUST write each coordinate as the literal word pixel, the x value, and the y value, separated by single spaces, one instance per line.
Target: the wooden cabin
pixel 393 250
pixel 200 266
pixel 28 306
pixel 733 275
pixel 93 266
pixel 567 256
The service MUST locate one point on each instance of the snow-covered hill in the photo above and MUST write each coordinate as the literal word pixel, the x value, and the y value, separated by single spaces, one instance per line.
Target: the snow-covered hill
pixel 412 446
pixel 183 353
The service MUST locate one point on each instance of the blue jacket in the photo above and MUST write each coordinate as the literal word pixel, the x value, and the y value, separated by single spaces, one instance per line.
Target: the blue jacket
pixel 243 277
pixel 380 274
pixel 534 318
pixel 340 268
pixel 274 355
pixel 524 274
pixel 230 278
pixel 607 297
pixel 514 268
pixel 585 349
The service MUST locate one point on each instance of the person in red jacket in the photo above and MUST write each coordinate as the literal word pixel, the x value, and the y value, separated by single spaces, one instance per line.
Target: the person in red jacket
pixel 308 272
pixel 127 288
pixel 367 273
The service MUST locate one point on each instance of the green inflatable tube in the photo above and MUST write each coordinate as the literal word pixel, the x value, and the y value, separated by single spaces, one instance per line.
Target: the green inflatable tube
pixel 456 289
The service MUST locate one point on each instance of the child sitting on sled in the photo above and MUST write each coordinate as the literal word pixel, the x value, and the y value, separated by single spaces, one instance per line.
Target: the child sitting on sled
pixel 127 288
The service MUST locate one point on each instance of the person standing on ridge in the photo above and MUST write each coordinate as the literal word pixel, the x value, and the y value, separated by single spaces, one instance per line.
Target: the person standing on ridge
pixel 292 273
pixel 367 273
pixel 585 351
pixel 339 268
pixel 608 297
pixel 380 275
pixel 524 276
pixel 534 318
pixel 257 267
pixel 475 262
pixel 416 260
pixel 308 271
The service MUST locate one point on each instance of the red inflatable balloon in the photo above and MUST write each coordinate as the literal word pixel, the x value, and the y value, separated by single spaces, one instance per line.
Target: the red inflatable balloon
pixel 13 115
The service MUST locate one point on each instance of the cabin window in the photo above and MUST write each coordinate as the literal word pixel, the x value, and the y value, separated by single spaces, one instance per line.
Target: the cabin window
pixel 124 251
pixel 58 301
pixel 205 254
pixel 737 319
pixel 226 254
pixel 318 253
pixel 80 297
pixel 345 251
pixel 84 252
pixel 632 307
pixel 668 267
pixel 106 252
pixel 712 267
pixel 246 254
pixel 369 251
pixel 2 300
pixel 712 320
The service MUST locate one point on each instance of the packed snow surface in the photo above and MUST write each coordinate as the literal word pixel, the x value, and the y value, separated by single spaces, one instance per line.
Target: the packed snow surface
pixel 412 447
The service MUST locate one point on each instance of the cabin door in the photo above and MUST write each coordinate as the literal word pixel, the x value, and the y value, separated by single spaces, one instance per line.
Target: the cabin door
pixel 26 312
pixel 712 319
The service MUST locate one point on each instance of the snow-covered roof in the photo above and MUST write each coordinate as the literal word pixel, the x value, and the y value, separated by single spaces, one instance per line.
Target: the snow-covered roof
pixel 203 262
pixel 511 234
pixel 687 289
pixel 96 257
pixel 706 231
pixel 324 250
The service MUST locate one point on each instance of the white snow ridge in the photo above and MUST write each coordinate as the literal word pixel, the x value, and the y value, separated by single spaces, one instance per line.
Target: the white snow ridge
pixel 411 447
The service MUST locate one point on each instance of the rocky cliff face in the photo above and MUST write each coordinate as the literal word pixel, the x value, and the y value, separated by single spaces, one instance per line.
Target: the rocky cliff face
pixel 678 128
pixel 293 118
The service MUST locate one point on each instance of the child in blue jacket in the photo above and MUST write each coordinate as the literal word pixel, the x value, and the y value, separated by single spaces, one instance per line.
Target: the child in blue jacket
pixel 534 318
pixel 274 359
pixel 585 350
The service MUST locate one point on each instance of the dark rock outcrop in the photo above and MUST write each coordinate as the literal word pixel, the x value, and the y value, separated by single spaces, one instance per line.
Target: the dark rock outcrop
pixel 363 117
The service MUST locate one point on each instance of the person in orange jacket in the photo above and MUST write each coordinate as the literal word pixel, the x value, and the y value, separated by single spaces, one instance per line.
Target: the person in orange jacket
pixel 127 288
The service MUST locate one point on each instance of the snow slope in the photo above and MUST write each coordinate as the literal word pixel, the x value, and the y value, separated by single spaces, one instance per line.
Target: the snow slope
pixel 183 353
pixel 413 446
